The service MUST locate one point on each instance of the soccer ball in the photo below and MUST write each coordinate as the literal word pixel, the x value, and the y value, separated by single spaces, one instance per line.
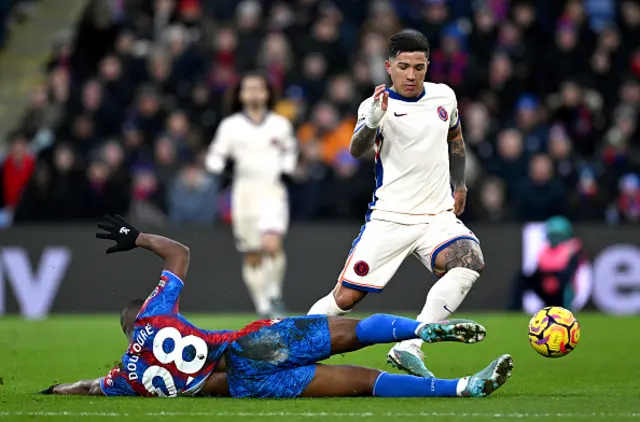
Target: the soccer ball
pixel 554 332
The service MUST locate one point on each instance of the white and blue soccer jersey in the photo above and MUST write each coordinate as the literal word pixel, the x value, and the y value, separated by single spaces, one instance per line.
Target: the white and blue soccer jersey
pixel 411 212
pixel 412 155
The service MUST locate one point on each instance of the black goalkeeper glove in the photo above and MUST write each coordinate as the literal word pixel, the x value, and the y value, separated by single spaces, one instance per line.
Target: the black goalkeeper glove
pixel 119 230
pixel 48 390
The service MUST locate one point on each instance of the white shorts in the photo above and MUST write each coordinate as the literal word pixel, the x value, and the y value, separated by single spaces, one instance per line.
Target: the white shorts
pixel 381 247
pixel 249 228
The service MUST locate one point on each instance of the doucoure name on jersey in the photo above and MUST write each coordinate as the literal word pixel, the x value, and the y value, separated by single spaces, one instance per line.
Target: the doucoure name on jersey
pixel 136 348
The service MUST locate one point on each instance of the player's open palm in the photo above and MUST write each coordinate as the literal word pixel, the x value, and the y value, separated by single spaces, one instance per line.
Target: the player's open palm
pixel 122 232
pixel 459 200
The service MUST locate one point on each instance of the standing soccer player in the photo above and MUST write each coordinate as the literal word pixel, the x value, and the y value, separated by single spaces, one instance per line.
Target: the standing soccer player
pixel 264 150
pixel 415 131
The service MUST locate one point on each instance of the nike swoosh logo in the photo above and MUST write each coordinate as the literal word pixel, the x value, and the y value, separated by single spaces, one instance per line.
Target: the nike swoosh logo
pixel 447 309
pixel 399 115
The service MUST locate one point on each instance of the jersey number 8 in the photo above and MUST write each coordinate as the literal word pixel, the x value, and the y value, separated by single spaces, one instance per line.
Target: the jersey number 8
pixel 175 356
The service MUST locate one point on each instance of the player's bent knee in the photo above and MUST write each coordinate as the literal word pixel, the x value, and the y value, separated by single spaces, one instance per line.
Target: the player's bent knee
pixel 463 253
pixel 253 259
pixel 271 243
pixel 346 298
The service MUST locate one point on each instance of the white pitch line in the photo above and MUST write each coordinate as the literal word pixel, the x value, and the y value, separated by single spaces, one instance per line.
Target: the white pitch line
pixel 332 414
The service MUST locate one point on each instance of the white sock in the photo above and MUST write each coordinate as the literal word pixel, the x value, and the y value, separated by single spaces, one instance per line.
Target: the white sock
pixel 462 384
pixel 275 269
pixel 327 306
pixel 444 298
pixel 254 278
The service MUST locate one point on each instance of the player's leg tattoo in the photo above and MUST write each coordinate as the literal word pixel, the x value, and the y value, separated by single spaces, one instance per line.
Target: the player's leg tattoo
pixel 463 253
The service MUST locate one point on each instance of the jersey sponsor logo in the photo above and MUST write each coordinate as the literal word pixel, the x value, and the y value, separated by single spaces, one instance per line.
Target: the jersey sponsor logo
pixel 442 113
pixel 395 113
pixel 361 268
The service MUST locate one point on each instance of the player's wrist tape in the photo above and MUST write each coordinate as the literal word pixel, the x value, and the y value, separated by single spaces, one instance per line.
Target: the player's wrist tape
pixel 371 125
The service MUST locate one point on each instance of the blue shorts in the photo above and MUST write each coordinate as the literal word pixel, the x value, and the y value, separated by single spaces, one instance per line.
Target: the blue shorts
pixel 278 360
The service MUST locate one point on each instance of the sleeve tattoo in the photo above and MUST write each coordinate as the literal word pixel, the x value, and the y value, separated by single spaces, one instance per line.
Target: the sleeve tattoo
pixel 457 157
pixel 362 141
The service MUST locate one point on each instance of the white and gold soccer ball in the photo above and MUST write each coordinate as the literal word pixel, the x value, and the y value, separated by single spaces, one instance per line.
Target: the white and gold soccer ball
pixel 554 332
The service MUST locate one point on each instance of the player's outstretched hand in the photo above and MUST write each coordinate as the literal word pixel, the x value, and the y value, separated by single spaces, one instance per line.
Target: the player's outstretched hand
pixel 378 107
pixel 117 229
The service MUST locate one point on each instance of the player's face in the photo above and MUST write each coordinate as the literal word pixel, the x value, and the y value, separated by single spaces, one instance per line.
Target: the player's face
pixel 407 71
pixel 254 92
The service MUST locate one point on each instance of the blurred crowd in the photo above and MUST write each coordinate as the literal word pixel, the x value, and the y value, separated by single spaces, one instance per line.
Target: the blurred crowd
pixel 548 91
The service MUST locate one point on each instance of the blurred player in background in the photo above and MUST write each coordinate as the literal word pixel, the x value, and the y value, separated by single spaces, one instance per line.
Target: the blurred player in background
pixel 415 131
pixel 562 275
pixel 262 147
pixel 169 356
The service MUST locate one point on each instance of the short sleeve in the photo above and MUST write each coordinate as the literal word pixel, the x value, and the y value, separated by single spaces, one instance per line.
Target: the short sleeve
pixel 289 147
pixel 362 114
pixel 164 298
pixel 220 148
pixel 116 384
pixel 454 122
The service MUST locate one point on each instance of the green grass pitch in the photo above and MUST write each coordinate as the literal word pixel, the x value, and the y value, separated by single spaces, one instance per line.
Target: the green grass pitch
pixel 599 381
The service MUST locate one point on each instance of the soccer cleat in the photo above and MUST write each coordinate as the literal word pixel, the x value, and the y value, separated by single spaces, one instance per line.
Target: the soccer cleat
pixel 460 330
pixel 411 361
pixel 489 379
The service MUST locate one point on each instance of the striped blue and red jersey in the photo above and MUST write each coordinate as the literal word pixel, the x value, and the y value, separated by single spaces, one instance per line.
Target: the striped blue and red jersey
pixel 167 355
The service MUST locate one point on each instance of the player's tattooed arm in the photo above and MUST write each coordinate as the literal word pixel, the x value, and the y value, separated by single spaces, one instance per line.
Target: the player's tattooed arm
pixel 362 141
pixel 80 388
pixel 457 157
pixel 176 255
pixel 457 162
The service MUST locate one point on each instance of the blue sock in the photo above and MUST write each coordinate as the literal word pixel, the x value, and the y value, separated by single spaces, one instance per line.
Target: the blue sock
pixel 394 385
pixel 384 328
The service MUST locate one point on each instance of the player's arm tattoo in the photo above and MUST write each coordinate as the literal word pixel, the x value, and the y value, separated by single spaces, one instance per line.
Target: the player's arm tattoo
pixel 362 141
pixel 457 158
pixel 79 388
pixel 464 253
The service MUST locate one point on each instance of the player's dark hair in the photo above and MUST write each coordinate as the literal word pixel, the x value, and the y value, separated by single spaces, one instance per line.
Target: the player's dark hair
pixel 235 105
pixel 408 41
pixel 131 306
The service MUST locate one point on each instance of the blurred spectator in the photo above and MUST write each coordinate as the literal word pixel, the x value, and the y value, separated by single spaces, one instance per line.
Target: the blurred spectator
pixel 192 197
pixel 345 187
pixel 541 196
pixel 561 152
pixel 148 198
pixel 629 199
pixel 448 64
pixel 16 171
pixel 490 203
pixel 510 163
pixel 529 123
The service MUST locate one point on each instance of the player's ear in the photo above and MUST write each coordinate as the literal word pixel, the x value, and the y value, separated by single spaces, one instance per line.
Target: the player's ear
pixel 387 65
